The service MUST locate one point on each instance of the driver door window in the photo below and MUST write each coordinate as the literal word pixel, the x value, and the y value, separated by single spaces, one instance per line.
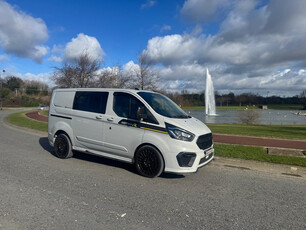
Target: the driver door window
pixel 126 105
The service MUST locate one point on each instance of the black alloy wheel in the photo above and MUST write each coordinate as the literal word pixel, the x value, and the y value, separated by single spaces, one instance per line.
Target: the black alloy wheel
pixel 62 147
pixel 149 162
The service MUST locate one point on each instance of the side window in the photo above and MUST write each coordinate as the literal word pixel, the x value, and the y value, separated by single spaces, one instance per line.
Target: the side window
pixel 90 101
pixel 126 105
pixel 63 99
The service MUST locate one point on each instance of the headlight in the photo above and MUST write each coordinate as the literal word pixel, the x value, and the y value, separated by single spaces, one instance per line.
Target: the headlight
pixel 178 133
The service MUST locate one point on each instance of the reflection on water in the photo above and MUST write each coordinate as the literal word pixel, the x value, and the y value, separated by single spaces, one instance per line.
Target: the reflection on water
pixel 275 117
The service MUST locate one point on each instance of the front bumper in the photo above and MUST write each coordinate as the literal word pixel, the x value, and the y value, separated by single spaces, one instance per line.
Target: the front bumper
pixel 182 165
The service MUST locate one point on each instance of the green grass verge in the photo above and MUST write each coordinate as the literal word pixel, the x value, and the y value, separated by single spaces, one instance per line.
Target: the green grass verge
pixel 44 113
pixel 20 119
pixel 286 107
pixel 274 131
pixel 255 153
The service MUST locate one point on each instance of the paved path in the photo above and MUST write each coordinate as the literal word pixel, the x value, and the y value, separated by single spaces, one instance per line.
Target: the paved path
pixel 40 191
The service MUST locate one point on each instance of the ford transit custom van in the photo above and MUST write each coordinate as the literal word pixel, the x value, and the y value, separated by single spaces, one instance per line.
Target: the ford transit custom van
pixel 135 126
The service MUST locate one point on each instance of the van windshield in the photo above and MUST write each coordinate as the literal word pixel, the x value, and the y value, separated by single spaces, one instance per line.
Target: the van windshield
pixel 163 105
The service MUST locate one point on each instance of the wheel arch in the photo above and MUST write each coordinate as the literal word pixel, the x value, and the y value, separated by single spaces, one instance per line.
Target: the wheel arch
pixel 62 127
pixel 58 132
pixel 143 144
pixel 149 163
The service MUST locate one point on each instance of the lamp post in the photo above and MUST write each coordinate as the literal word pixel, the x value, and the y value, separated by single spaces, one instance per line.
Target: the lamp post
pixel 3 71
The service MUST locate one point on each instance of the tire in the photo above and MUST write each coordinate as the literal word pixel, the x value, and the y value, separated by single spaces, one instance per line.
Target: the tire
pixel 62 147
pixel 149 161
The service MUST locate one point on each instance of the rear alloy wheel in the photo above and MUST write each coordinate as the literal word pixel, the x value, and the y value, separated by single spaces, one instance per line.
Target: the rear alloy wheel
pixel 62 147
pixel 149 162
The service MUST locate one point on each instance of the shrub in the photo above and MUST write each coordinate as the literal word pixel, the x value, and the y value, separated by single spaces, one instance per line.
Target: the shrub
pixel 249 116
pixel 5 93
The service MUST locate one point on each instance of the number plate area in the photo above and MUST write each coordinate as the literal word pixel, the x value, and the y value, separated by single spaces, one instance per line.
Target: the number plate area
pixel 208 153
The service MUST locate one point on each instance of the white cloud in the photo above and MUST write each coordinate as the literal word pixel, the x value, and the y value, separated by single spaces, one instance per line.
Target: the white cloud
pixel 42 77
pixel 57 53
pixel 148 4
pixel 249 52
pixel 22 34
pixel 3 58
pixel 171 49
pixel 58 49
pixel 55 58
pixel 130 67
pixel 202 10
pixel 165 28
pixel 192 78
pixel 83 44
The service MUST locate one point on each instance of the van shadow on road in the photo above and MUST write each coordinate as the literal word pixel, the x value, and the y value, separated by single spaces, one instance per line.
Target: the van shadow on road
pixel 44 143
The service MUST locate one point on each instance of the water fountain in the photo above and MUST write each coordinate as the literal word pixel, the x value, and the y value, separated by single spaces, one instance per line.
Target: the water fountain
pixel 210 104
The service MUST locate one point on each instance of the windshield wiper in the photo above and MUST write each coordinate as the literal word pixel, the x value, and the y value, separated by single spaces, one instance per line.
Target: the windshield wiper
pixel 181 116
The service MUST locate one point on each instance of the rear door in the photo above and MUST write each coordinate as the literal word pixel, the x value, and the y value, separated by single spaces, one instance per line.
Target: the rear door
pixel 88 112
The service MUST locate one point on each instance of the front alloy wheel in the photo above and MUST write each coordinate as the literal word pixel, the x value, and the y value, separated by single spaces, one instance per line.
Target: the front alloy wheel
pixel 149 162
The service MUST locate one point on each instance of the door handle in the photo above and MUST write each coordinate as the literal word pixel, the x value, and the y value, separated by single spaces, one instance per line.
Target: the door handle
pixel 99 117
pixel 110 119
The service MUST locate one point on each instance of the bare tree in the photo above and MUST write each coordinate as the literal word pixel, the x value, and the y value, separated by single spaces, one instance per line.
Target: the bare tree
pixel 64 76
pixel 144 77
pixel 114 78
pixel 81 73
pixel 35 87
pixel 249 116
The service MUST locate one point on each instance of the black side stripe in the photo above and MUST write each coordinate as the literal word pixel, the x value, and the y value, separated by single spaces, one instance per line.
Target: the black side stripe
pixel 53 115
pixel 137 124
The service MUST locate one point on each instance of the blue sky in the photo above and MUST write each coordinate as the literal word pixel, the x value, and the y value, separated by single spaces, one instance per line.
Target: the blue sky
pixel 248 45
pixel 121 27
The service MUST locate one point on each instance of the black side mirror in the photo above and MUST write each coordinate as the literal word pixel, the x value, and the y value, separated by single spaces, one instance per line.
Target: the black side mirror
pixel 141 113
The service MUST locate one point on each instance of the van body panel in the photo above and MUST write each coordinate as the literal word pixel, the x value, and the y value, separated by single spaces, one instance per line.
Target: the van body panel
pixel 88 130
pixel 60 125
pixel 118 137
pixel 170 148
pixel 128 137
pixel 63 99
pixel 99 153
pixel 191 124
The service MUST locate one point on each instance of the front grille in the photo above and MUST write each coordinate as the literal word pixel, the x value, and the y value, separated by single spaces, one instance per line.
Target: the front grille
pixel 205 141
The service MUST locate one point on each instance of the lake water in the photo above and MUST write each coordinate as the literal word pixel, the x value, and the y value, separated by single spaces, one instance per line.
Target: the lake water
pixel 273 117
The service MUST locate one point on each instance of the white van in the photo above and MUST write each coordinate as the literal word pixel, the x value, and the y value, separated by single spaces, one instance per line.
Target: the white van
pixel 135 126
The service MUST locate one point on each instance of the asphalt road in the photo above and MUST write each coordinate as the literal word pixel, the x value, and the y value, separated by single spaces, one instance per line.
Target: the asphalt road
pixel 40 191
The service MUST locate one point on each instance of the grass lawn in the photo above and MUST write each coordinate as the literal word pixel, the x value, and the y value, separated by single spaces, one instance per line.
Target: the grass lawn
pixel 255 153
pixel 274 131
pixel 20 119
pixel 286 107
pixel 44 113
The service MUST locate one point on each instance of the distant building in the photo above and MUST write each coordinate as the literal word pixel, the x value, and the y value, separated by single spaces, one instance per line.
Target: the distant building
pixel 263 107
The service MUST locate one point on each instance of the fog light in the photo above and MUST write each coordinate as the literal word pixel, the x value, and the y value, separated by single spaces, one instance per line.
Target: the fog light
pixel 186 159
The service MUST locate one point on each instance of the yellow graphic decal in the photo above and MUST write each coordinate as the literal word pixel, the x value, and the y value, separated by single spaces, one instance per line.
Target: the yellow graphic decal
pixel 155 130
